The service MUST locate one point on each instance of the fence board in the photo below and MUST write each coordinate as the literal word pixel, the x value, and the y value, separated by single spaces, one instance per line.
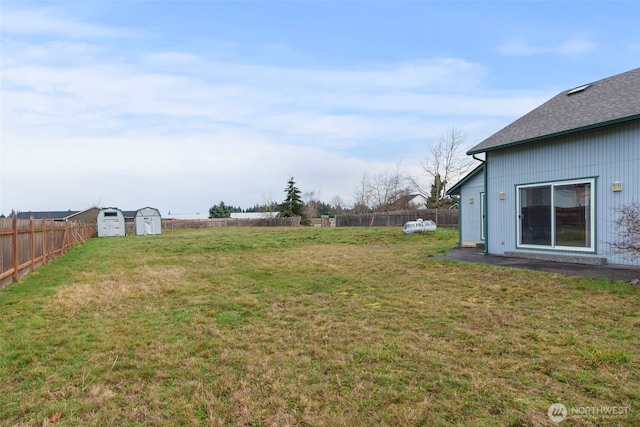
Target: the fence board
pixel 442 218
pixel 171 224
pixel 26 244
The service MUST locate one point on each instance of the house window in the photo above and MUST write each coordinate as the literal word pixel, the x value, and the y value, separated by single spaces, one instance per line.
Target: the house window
pixel 556 215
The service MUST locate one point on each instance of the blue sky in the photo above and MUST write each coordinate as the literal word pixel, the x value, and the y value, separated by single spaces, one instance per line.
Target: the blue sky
pixel 179 105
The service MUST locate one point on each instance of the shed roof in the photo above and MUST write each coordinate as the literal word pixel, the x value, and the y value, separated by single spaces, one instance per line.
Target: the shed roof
pixel 604 102
pixel 112 208
pixel 126 214
pixel 147 211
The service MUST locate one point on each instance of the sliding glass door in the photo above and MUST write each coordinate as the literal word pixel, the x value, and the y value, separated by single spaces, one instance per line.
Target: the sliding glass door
pixel 556 215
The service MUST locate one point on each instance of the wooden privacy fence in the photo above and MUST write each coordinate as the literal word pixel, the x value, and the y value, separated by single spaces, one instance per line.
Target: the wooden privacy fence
pixel 442 218
pixel 170 224
pixel 26 244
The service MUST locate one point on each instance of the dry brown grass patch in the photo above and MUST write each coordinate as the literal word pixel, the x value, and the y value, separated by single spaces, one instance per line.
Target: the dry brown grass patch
pixel 93 290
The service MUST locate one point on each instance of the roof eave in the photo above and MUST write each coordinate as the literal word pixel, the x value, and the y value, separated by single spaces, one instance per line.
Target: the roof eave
pixel 454 190
pixel 553 135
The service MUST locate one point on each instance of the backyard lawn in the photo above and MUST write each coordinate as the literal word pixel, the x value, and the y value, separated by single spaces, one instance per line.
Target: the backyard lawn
pixel 311 327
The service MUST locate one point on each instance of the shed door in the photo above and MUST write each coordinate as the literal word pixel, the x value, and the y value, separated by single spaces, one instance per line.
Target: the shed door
pixel 148 225
pixel 111 227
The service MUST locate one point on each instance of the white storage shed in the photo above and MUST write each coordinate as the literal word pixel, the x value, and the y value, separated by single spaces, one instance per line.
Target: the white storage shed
pixel 148 221
pixel 110 222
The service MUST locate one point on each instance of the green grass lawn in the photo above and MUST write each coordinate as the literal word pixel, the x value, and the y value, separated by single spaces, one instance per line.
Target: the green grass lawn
pixel 310 327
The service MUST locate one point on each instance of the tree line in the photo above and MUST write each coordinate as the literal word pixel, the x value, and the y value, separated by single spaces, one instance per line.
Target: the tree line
pixel 443 165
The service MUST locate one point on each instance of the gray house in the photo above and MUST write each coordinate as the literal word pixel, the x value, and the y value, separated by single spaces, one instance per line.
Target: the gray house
pixel 470 190
pixel 552 180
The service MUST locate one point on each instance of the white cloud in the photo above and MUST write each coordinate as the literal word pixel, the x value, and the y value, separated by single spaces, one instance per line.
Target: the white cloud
pixel 131 171
pixel 574 46
pixel 520 48
pixel 44 22
pixel 82 122
pixel 577 46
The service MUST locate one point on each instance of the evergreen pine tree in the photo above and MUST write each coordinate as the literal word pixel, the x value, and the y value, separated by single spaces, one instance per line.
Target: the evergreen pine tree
pixel 438 199
pixel 293 205
pixel 220 211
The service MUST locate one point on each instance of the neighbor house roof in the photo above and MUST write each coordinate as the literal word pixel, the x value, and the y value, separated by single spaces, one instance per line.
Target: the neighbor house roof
pixel 604 102
pixel 409 198
pixel 187 216
pixel 56 215
pixel 65 215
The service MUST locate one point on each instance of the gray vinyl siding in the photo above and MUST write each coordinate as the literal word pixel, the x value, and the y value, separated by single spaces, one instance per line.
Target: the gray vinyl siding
pixel 470 215
pixel 608 155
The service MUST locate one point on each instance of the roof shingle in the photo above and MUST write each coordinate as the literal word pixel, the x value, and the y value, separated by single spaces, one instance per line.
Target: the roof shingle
pixel 607 101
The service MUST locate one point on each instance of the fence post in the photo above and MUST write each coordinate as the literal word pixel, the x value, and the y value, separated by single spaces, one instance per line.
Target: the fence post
pixel 44 241
pixel 14 248
pixel 65 239
pixel 33 243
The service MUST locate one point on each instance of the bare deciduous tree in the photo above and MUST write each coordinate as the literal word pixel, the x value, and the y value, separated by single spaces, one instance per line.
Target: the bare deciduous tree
pixel 380 192
pixel 627 227
pixel 311 204
pixel 337 205
pixel 269 205
pixel 444 165
pixel 386 188
pixel 361 196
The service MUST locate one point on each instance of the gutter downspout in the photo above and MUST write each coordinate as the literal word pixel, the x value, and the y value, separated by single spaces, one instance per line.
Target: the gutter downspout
pixel 486 198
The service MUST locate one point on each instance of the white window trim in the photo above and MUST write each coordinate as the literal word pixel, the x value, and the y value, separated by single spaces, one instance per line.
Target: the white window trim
pixel 552 184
